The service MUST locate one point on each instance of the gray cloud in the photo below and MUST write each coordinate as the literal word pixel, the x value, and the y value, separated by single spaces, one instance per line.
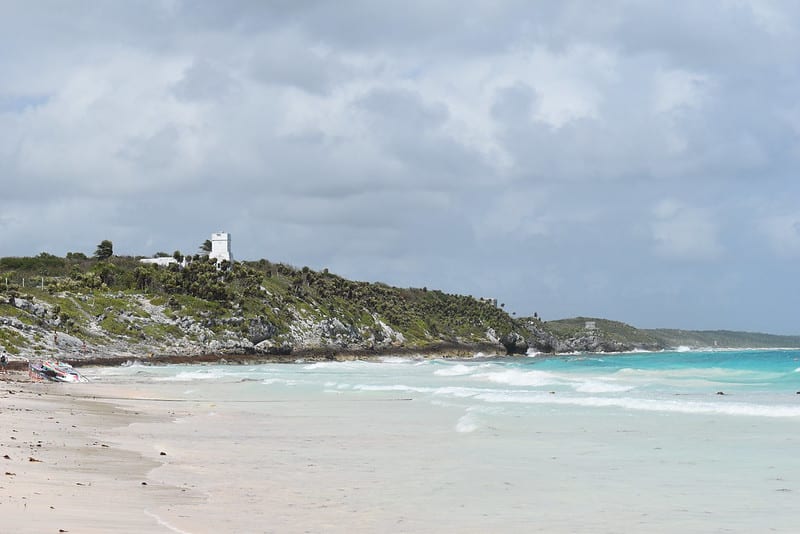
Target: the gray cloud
pixel 626 160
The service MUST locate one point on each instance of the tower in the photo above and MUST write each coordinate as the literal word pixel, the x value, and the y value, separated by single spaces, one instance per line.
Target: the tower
pixel 221 247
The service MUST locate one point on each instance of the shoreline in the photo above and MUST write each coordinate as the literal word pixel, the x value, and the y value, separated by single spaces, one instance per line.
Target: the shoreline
pixel 320 354
pixel 133 454
pixel 317 354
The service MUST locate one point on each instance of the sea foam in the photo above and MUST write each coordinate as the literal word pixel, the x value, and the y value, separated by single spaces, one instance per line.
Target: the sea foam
pixel 650 405
pixel 516 377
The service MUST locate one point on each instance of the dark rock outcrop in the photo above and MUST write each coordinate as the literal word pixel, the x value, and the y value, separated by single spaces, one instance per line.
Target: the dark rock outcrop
pixel 514 343
pixel 259 329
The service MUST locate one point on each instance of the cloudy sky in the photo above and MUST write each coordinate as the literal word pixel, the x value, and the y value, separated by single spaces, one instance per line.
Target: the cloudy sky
pixel 634 160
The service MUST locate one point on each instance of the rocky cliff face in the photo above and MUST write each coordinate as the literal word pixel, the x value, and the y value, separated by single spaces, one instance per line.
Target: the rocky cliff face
pixel 126 324
pixel 543 340
pixel 133 325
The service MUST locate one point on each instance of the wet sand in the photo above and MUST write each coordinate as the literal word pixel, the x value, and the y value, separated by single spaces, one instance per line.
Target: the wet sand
pixel 98 458
pixel 139 458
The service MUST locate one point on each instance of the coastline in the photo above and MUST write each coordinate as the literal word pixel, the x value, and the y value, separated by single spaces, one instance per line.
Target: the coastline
pixel 316 354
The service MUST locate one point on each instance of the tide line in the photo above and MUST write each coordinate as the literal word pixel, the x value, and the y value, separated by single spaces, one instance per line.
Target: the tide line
pixel 165 524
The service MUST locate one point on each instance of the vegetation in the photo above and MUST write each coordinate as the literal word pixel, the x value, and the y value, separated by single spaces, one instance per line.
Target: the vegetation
pixel 104 250
pixel 721 338
pixel 226 297
pixel 110 297
pixel 667 338
pixel 612 330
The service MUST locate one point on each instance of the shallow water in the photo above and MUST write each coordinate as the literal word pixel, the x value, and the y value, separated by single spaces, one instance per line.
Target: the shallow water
pixel 746 383
pixel 581 443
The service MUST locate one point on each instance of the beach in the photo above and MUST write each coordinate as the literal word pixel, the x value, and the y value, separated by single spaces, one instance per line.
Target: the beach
pixel 63 466
pixel 317 448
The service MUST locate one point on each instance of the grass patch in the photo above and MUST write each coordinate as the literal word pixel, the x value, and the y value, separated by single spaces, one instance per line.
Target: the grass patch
pixel 11 340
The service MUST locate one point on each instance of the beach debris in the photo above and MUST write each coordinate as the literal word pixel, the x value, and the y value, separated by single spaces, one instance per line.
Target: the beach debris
pixel 7 457
pixel 32 459
pixel 162 453
pixel 10 474
pixel 144 483
pixel 54 371
pixel 720 393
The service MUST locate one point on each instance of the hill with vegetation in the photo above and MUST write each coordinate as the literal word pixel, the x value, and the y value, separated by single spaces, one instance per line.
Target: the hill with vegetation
pixel 721 339
pixel 118 306
pixel 569 333
pixel 115 307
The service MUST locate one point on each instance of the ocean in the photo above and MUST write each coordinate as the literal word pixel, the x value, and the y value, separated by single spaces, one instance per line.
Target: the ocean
pixel 689 441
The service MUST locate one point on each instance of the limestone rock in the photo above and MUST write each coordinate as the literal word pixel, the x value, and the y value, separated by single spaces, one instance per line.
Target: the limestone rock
pixel 514 343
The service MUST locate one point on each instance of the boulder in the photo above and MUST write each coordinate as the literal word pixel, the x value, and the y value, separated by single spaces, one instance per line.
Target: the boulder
pixel 514 343
pixel 259 329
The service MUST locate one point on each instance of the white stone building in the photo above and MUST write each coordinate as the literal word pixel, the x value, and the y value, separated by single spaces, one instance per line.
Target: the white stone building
pixel 159 261
pixel 221 247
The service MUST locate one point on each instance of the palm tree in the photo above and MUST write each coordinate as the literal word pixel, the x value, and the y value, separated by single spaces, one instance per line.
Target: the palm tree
pixel 104 250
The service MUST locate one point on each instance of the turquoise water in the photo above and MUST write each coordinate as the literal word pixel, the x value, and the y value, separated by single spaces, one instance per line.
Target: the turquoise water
pixel 756 383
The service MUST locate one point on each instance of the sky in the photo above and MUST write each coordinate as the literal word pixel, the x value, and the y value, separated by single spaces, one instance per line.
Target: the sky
pixel 631 160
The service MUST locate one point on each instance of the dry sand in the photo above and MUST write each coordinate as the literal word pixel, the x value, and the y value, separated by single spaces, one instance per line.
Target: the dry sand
pixel 62 473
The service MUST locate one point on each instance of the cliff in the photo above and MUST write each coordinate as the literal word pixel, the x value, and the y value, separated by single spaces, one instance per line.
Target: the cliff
pixel 120 308
pixel 78 308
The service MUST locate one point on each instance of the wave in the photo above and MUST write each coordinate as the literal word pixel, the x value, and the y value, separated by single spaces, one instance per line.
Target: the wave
pixel 650 405
pixel 446 391
pixel 395 359
pixel 331 365
pixel 598 386
pixel 514 377
pixel 455 370
pixel 134 363
pixel 284 381
pixel 700 377
pixel 392 387
pixel 189 376
pixel 461 369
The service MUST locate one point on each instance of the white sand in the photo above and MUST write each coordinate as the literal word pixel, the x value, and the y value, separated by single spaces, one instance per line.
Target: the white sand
pixel 338 463
pixel 59 470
